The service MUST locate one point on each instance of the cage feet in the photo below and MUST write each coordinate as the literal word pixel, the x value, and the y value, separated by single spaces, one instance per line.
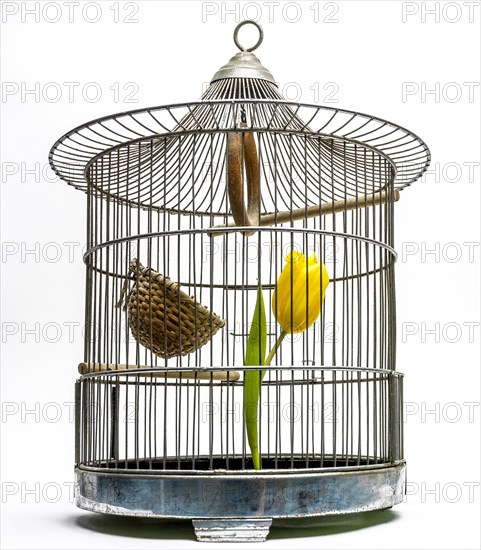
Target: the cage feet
pixel 232 530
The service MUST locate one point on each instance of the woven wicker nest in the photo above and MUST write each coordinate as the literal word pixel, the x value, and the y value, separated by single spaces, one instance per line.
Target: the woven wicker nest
pixel 165 319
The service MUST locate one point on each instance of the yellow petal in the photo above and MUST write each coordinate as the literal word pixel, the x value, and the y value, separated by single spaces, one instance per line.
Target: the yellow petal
pixel 283 287
pixel 306 290
pixel 325 280
pixel 309 280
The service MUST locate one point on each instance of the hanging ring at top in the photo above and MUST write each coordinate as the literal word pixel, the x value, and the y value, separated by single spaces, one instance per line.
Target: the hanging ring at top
pixel 259 41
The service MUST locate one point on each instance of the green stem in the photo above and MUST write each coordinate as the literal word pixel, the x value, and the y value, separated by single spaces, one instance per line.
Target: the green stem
pixel 252 388
pixel 269 358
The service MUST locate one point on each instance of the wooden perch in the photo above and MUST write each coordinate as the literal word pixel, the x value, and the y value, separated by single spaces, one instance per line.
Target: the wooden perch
pixel 231 376
pixel 323 209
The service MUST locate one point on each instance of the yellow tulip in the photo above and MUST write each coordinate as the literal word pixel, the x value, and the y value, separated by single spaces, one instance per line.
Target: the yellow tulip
pixel 296 303
pixel 299 292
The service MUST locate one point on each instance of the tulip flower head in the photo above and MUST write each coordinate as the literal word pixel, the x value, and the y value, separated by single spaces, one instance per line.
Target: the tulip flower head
pixel 299 292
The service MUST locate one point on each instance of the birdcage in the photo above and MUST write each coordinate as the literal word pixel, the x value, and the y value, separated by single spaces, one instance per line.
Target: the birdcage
pixel 193 212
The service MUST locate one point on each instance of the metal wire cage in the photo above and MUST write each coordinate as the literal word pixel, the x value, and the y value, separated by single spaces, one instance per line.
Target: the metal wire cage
pixel 191 209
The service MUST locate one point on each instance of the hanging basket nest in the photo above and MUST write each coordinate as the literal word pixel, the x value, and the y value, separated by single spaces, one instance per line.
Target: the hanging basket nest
pixel 165 319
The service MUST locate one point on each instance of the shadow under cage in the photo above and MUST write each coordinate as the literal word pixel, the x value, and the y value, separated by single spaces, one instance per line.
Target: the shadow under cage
pixel 198 215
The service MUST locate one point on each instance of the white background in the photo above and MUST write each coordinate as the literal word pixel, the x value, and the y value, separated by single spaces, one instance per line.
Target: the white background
pixel 371 51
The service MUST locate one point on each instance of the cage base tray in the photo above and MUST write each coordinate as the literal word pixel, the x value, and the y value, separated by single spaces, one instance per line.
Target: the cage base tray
pixel 239 505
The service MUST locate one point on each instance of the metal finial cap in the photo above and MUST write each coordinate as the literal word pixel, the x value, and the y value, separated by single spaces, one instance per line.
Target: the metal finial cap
pixel 245 64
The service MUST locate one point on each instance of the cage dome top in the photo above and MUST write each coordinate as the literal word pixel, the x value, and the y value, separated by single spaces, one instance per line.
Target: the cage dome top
pixel 245 64
pixel 242 93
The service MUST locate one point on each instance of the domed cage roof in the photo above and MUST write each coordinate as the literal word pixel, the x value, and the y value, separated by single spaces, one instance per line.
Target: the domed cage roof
pixel 142 149
pixel 172 158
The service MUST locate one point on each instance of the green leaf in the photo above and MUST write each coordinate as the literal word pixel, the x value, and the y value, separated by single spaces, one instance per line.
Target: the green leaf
pixel 255 355
pixel 256 343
